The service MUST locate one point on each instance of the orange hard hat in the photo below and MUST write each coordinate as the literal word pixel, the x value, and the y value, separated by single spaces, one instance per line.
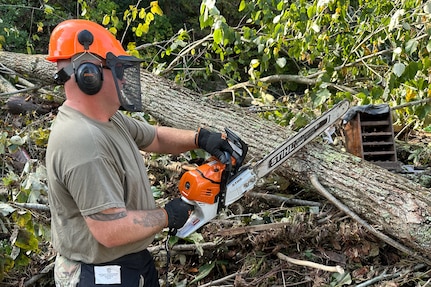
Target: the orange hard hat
pixel 77 36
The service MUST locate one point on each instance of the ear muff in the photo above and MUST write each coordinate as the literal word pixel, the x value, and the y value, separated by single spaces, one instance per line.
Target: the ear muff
pixel 89 78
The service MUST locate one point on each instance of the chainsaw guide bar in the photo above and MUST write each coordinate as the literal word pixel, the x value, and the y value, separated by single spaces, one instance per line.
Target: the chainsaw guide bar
pixel 296 142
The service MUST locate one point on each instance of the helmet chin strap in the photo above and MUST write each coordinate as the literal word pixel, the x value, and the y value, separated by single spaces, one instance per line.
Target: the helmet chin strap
pixel 63 75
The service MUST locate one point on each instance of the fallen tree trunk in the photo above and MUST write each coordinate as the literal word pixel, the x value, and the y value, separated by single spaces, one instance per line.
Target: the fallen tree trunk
pixel 396 206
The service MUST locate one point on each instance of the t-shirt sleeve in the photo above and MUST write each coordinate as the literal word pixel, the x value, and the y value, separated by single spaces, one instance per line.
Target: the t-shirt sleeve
pixel 95 186
pixel 141 131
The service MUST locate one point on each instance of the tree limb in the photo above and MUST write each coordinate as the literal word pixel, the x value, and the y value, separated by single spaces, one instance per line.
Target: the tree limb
pixel 385 276
pixel 314 180
pixel 282 199
pixel 282 78
pixel 252 228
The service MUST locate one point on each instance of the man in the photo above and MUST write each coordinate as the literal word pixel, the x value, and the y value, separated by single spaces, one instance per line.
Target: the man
pixel 103 213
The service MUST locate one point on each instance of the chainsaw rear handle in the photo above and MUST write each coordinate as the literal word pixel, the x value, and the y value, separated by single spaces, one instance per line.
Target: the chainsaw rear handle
pixel 202 214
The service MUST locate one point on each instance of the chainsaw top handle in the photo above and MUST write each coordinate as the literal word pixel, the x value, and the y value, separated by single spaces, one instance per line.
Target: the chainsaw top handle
pixel 239 147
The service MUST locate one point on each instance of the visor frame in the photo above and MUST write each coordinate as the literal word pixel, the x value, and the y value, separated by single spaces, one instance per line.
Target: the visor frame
pixel 131 103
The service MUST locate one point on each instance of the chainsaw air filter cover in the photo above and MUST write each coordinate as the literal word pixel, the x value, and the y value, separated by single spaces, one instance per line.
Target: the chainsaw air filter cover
pixel 203 183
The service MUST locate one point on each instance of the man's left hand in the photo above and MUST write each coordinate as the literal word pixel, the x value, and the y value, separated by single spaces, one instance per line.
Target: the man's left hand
pixel 215 144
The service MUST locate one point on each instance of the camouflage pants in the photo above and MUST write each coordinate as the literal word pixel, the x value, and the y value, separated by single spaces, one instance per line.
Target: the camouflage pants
pixel 66 272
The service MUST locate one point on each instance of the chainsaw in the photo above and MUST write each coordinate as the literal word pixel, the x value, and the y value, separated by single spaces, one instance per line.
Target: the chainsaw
pixel 213 185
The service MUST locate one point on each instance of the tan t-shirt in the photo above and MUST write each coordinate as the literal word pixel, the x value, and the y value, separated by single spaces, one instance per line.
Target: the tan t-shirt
pixel 93 166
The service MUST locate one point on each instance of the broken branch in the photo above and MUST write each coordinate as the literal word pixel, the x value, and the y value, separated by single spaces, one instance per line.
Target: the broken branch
pixel 252 228
pixel 334 269
pixel 315 182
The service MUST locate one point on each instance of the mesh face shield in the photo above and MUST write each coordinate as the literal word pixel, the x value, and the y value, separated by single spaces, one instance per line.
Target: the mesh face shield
pixel 126 69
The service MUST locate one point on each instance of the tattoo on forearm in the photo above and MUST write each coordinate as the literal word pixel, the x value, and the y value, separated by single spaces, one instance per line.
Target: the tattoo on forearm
pixel 150 220
pixel 108 216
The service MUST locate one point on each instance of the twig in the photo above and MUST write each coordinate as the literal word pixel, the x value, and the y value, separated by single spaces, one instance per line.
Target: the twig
pixel 149 45
pixel 413 103
pixel 282 78
pixel 282 199
pixel 128 23
pixel 360 60
pixel 192 247
pixel 218 281
pixel 334 269
pixel 403 129
pixel 35 278
pixel 252 228
pixel 185 51
pixel 384 276
pixel 5 85
pixel 35 206
pixel 19 91
pixel 315 182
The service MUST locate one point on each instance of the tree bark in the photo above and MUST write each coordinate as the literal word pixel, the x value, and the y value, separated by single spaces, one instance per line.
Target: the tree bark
pixel 396 206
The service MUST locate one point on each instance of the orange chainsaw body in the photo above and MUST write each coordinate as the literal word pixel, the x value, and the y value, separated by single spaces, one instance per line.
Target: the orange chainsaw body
pixel 203 183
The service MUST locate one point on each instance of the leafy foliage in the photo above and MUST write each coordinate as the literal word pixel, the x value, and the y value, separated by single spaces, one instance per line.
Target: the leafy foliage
pixel 25 180
pixel 369 52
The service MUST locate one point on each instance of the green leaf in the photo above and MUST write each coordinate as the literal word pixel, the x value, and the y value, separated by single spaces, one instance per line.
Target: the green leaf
pixel 399 69
pixel 276 19
pixel 106 20
pixel 300 121
pixel 210 3
pixel 281 62
pixel 376 93
pixel 254 63
pixel 204 271
pixel 315 27
pixel 6 209
pixel 6 263
pixel 26 240
pixel 411 46
pixel 411 70
pixel 280 5
pixel 48 9
pixel 196 238
pixel 321 96
pixel 83 12
pixel 10 179
pixel 17 140
pixel 218 36
pixel 341 279
pixel 173 240
pixel 241 5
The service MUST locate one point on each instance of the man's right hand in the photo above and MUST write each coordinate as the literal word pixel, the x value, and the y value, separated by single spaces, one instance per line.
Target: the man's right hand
pixel 178 212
